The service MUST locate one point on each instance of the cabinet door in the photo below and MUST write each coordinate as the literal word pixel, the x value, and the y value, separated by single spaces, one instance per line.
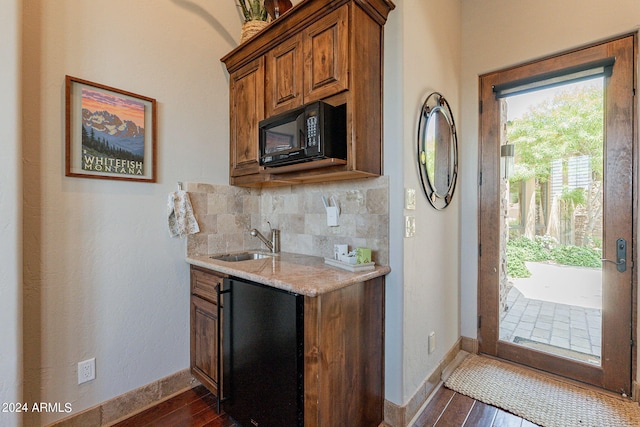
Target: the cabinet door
pixel 326 51
pixel 204 283
pixel 246 97
pixel 283 87
pixel 204 342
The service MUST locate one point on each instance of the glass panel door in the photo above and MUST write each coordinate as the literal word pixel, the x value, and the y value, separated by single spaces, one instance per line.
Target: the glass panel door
pixel 551 239
pixel 555 194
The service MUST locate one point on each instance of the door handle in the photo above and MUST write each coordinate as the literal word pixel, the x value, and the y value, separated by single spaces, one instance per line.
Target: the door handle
pixel 223 344
pixel 621 256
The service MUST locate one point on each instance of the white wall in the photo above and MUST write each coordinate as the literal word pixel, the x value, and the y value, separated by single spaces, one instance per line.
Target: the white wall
pixel 422 55
pixel 393 158
pixel 10 212
pixel 501 33
pixel 102 277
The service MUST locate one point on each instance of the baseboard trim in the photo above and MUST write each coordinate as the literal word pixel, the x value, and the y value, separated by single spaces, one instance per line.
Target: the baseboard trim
pixel 135 401
pixel 470 345
pixel 401 416
pixel 121 407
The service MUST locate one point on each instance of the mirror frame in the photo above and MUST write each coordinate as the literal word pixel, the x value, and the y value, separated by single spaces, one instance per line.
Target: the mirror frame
pixel 436 103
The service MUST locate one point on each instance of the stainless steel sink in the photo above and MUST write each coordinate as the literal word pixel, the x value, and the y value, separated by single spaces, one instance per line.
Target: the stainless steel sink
pixel 243 256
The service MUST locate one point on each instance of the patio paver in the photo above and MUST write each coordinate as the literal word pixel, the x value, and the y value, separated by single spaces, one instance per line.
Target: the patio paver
pixel 552 324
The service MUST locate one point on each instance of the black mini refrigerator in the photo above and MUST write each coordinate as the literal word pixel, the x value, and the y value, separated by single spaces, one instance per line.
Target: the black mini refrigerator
pixel 263 362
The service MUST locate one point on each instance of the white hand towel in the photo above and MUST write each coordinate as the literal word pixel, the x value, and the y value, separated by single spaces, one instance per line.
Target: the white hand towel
pixel 181 219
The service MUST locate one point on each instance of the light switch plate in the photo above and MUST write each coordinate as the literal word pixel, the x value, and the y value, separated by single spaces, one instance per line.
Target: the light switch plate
pixel 409 226
pixel 410 198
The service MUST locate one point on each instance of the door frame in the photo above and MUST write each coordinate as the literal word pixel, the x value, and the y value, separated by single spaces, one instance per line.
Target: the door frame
pixel 618 96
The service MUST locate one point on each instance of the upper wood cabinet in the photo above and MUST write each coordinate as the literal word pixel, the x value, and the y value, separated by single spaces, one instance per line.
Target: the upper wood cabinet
pixel 247 109
pixel 283 85
pixel 314 61
pixel 328 50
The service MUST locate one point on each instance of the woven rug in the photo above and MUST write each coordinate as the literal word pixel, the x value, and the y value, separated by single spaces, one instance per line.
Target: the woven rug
pixel 539 398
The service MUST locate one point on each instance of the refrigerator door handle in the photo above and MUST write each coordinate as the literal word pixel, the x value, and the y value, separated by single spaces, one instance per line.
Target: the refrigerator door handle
pixel 224 345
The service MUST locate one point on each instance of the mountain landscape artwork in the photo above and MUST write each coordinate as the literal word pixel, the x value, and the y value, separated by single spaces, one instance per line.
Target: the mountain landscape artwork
pixel 113 134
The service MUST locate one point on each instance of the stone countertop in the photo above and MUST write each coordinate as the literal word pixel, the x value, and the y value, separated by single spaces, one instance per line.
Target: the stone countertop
pixel 302 274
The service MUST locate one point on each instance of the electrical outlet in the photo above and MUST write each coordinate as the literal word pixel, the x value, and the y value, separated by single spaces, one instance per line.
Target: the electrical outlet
pixel 332 216
pixel 86 370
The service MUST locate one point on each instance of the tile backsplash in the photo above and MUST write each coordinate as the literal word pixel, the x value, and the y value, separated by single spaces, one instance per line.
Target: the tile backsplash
pixel 226 214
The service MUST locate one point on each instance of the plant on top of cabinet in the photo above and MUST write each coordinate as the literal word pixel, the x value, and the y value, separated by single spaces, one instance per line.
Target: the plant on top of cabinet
pixel 255 18
pixel 253 10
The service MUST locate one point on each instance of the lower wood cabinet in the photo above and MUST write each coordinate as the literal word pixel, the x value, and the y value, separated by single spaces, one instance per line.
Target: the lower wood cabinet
pixel 204 328
pixel 344 356
pixel 343 350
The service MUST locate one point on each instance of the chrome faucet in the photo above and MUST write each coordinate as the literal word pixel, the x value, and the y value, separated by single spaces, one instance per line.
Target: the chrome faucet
pixel 274 244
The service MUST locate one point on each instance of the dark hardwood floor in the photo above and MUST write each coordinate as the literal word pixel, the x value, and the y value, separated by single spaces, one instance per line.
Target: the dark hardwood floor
pixel 450 409
pixel 193 408
pixel 197 408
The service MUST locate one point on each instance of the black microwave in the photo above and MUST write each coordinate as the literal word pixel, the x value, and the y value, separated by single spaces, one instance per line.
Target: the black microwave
pixel 312 132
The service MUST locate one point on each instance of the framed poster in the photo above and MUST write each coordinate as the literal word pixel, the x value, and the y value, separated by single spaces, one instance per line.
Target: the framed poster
pixel 110 133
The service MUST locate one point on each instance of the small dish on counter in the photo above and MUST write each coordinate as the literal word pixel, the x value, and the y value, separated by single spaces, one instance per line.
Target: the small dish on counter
pixel 350 267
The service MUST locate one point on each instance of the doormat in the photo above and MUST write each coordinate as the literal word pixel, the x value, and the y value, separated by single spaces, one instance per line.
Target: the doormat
pixel 559 351
pixel 540 398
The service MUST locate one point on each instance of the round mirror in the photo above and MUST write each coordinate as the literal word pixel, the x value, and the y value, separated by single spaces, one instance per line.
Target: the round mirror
pixel 437 151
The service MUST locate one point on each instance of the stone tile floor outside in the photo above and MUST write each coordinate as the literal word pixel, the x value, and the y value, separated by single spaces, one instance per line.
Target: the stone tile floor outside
pixel 565 328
